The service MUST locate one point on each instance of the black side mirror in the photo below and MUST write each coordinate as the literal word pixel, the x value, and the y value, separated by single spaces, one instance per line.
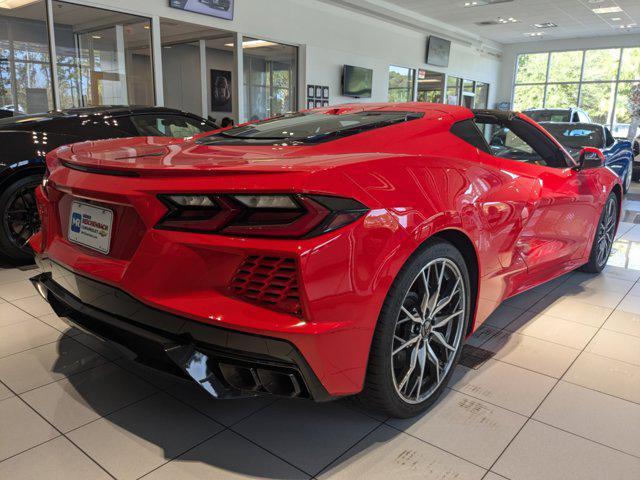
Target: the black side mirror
pixel 590 157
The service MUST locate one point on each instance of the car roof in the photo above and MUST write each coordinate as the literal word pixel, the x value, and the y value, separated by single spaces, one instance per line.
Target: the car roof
pixel 111 110
pixel 455 111
pixel 574 124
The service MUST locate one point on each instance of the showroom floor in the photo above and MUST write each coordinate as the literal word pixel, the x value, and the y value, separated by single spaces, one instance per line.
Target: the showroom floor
pixel 558 399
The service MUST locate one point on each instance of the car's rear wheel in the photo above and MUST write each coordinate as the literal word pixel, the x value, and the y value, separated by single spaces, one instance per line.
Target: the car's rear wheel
pixel 604 237
pixel 420 332
pixel 18 218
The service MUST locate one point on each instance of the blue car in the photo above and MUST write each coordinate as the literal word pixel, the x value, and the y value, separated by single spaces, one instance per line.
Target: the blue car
pixel 618 153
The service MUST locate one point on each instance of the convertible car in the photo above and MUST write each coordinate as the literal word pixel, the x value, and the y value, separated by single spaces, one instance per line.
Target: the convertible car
pixel 27 138
pixel 332 252
pixel 618 153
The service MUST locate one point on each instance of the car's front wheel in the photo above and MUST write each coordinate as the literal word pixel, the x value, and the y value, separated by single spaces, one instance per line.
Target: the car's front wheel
pixel 420 332
pixel 18 218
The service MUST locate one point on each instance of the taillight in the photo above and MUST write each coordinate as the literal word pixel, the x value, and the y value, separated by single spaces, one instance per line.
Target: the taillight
pixel 266 215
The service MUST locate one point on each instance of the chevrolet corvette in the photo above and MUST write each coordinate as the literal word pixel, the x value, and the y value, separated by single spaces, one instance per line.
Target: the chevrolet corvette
pixel 339 251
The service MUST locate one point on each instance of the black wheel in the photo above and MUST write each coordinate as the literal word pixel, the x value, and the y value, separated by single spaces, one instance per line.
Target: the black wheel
pixel 20 220
pixel 420 333
pixel 604 237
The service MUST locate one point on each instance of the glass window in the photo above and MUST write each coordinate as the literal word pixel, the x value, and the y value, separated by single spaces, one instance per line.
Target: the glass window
pixel 562 95
pixel 578 136
pixel 622 119
pixel 601 64
pixel 430 86
pixel 528 96
pixel 454 90
pixel 168 125
pixel 310 127
pixel 270 78
pixel 565 67
pixel 597 100
pixel 482 95
pixel 630 67
pixel 25 69
pixel 401 84
pixel 109 64
pixel 532 68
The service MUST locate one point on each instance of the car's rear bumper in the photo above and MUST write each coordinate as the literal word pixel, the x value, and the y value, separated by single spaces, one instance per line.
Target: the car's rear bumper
pixel 226 363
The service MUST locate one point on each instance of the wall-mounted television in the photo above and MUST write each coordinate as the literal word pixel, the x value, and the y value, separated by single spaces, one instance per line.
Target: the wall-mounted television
pixel 357 81
pixel 214 8
pixel 438 50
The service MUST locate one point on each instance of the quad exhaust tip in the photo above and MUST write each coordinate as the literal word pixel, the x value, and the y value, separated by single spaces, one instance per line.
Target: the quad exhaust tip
pixel 276 382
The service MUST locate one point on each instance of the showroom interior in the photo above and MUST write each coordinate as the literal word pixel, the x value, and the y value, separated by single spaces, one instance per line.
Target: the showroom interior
pixel 547 386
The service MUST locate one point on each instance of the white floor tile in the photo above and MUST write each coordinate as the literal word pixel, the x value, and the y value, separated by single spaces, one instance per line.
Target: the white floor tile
pixel 305 434
pixel 532 353
pixel 10 314
pixel 86 396
pixel 503 316
pixel 593 296
pixel 47 363
pixel 5 392
pixel 606 375
pixel 543 452
pixel 225 456
pixel 35 305
pixel 602 281
pixel 464 426
pixel 574 310
pixel 616 345
pixel 12 275
pixel 142 437
pixel 553 329
pixel 56 322
pixel 387 453
pixel 623 322
pixel 58 459
pixel 105 348
pixel 505 385
pixel 631 304
pixel 21 428
pixel 25 335
pixel 593 415
pixel 17 290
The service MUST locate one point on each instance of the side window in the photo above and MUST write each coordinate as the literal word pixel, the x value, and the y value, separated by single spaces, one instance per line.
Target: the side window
pixel 520 141
pixel 584 118
pixel 575 118
pixel 168 125
pixel 468 131
pixel 608 138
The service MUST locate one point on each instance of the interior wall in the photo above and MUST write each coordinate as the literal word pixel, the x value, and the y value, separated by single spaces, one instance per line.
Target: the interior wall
pixel 333 36
pixel 219 60
pixel 181 77
pixel 511 52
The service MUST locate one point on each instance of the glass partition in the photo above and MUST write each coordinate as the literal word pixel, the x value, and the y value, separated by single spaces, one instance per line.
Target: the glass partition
pixel 270 78
pixel 430 86
pixel 25 67
pixel 454 90
pixel 103 57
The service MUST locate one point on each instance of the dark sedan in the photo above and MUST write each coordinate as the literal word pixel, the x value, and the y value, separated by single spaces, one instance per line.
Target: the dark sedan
pixel 26 139
pixel 618 153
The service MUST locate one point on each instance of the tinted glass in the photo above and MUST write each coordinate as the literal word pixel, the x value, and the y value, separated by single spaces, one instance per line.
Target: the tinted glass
pixel 576 135
pixel 549 115
pixel 312 127
pixel 168 125
pixel 467 131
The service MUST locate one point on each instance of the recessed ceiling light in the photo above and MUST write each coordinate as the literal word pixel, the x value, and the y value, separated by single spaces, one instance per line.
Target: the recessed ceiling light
pixel 631 25
pixel 146 27
pixel 602 10
pixel 97 37
pixel 253 44
pixel 481 3
pixel 534 34
pixel 545 25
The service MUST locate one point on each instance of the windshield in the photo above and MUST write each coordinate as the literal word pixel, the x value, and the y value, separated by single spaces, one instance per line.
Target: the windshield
pixel 309 127
pixel 576 135
pixel 549 115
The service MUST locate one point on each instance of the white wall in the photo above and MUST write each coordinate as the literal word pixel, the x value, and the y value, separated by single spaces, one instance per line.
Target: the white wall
pixel 331 36
pixel 510 54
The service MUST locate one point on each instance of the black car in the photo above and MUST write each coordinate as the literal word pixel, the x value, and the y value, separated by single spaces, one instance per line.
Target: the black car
pixel 26 139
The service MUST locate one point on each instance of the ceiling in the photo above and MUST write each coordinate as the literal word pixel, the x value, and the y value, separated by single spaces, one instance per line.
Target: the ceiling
pixel 574 18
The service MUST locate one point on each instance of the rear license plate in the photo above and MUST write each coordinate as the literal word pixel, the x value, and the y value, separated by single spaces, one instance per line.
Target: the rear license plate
pixel 90 226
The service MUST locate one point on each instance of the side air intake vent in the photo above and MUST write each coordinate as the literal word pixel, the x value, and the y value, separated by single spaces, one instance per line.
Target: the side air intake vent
pixel 271 282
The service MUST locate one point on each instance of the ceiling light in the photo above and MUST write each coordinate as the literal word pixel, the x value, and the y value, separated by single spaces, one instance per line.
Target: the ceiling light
pixel 631 25
pixel 602 10
pixel 545 25
pixel 534 34
pixel 9 4
pixel 146 27
pixel 252 44
pixel 97 37
pixel 482 3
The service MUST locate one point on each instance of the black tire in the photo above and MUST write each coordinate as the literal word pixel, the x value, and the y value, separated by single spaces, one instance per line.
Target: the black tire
pixel 380 392
pixel 18 197
pixel 607 225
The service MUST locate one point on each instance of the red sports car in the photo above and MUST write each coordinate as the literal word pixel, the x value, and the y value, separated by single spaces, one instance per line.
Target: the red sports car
pixel 332 252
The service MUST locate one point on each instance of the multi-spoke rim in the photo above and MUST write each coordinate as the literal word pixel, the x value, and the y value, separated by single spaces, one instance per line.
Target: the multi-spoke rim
pixel 21 218
pixel 606 232
pixel 428 330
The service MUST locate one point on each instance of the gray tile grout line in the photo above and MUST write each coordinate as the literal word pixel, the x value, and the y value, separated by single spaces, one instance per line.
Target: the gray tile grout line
pixel 530 418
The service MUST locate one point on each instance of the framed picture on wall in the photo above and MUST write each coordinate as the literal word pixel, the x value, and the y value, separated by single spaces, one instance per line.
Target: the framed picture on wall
pixel 325 103
pixel 311 91
pixel 318 103
pixel 221 96
pixel 318 93
pixel 325 93
pixel 214 8
pixel 311 103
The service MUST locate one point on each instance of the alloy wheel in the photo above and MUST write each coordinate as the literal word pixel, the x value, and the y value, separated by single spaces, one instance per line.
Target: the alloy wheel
pixel 21 218
pixel 429 330
pixel 606 232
